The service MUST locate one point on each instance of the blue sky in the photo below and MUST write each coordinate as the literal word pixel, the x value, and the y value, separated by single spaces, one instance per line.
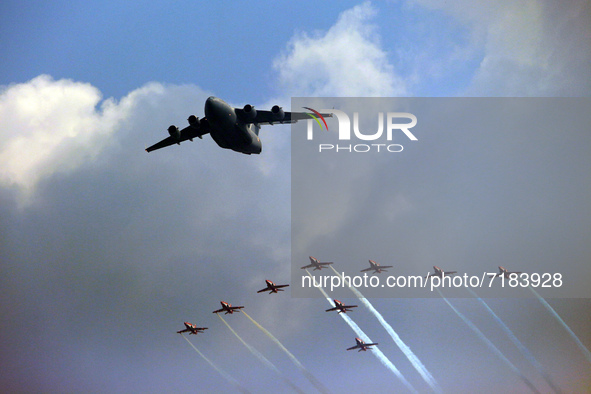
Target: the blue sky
pixel 227 47
pixel 105 250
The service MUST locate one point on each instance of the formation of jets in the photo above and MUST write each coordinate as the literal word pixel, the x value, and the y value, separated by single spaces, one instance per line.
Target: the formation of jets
pixel 228 308
pixel 341 307
pixel 376 267
pixel 231 128
pixel 314 262
pixel 272 287
pixel 361 345
pixel 192 329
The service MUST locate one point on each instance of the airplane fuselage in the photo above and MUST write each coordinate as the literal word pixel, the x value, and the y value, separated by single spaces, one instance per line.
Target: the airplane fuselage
pixel 228 130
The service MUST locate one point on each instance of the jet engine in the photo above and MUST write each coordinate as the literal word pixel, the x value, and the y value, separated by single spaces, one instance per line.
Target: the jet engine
pixel 249 112
pixel 174 132
pixel 277 112
pixel 193 121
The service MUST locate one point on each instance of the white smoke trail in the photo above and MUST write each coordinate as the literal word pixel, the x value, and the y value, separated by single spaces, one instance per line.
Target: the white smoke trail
pixel 524 350
pixel 376 351
pixel 263 359
pixel 488 343
pixel 414 360
pixel 224 374
pixel 319 386
pixel 562 322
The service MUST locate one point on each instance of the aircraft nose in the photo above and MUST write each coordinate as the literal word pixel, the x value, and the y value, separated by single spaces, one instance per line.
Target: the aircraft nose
pixel 209 106
pixel 218 110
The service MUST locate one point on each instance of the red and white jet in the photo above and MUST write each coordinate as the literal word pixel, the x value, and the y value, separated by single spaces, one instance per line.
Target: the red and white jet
pixel 439 272
pixel 228 308
pixel 503 272
pixel 316 264
pixel 362 345
pixel 342 308
pixel 192 329
pixel 376 267
pixel 272 287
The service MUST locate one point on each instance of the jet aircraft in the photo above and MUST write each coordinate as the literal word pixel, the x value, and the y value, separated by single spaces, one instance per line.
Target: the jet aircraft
pixel 192 329
pixel 341 307
pixel 232 128
pixel 228 308
pixel 272 287
pixel 362 346
pixel 376 267
pixel 439 272
pixel 503 272
pixel 316 264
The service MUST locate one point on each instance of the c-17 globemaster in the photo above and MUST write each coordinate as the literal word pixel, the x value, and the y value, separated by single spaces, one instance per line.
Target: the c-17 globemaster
pixel 232 128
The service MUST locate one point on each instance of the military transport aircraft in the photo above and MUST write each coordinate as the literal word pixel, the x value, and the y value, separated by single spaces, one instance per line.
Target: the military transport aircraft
pixel 192 329
pixel 316 264
pixel 232 128
pixel 228 308
pixel 342 308
pixel 439 272
pixel 362 345
pixel 376 267
pixel 503 272
pixel 272 287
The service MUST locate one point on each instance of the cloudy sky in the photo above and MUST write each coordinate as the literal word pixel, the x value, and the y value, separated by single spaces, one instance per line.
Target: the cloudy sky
pixel 105 250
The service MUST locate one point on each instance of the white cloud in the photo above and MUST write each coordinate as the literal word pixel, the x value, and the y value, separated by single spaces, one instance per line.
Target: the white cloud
pixel 50 126
pixel 531 47
pixel 347 60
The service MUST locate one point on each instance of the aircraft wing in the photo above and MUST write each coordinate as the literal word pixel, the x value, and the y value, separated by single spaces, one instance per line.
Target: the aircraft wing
pixel 280 286
pixel 332 309
pixel 308 266
pixel 386 266
pixel 188 133
pixel 450 272
pixel 368 269
pixel 265 289
pixel 219 310
pixel 269 117
pixel 354 347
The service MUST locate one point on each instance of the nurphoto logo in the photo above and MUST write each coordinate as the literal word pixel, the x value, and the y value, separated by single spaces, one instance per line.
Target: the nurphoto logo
pixel 393 125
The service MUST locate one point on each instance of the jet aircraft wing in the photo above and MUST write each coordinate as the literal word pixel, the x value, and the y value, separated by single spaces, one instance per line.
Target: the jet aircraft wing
pixel 177 136
pixel 269 117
